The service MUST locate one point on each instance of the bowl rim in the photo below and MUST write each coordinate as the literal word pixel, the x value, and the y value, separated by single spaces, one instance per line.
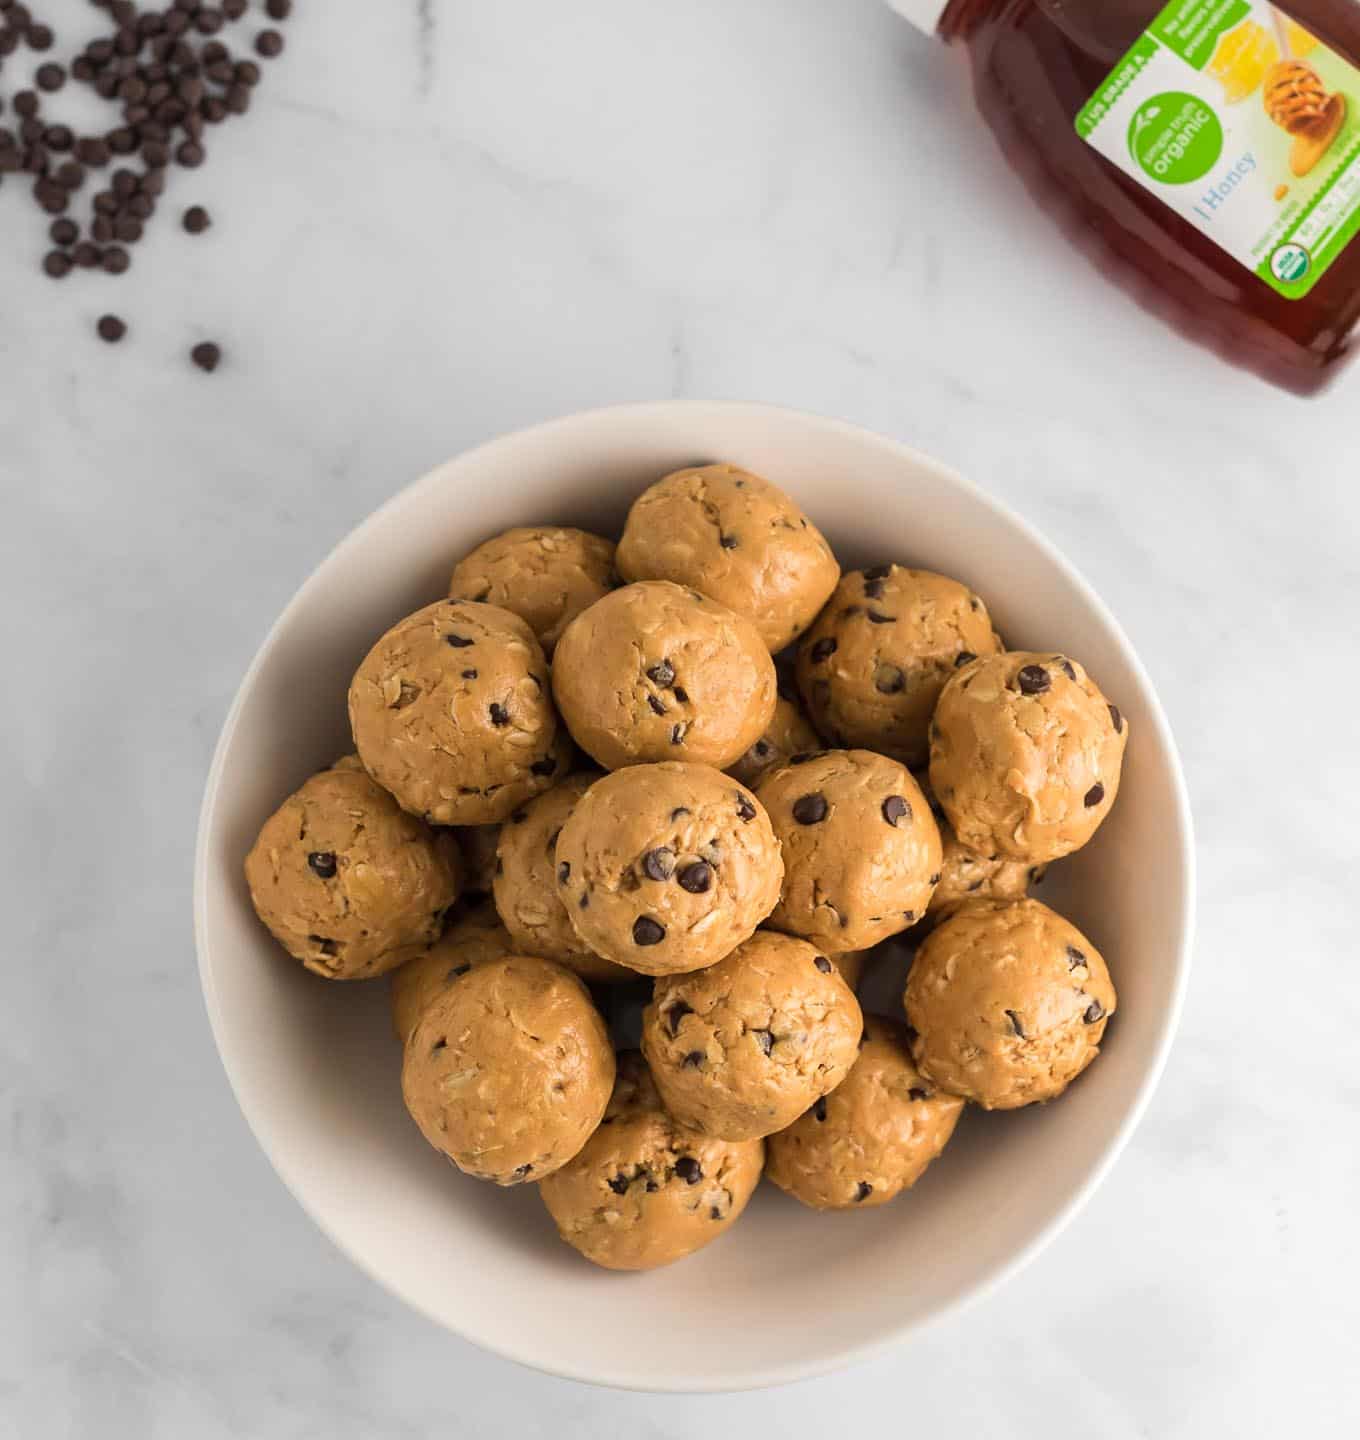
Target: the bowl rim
pixel 837 1358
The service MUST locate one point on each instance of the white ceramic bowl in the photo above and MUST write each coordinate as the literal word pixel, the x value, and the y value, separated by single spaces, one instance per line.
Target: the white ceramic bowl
pixel 315 1067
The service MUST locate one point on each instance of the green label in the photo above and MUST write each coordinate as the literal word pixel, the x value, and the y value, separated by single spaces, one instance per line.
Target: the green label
pixel 1246 126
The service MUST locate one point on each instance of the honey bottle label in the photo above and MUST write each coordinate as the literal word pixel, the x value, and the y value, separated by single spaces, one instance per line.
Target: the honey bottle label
pixel 1247 127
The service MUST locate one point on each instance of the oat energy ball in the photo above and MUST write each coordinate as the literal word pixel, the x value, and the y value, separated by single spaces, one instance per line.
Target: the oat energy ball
pixel 861 848
pixel 966 876
pixel 508 1071
pixel 667 868
pixel 1009 1002
pixel 346 881
pixel 544 574
pixel 872 667
pixel 1025 755
pixel 737 538
pixel 789 733
pixel 655 672
pixel 873 1136
pixel 451 713
pixel 646 1191
pixel 741 1049
pixel 473 938
pixel 526 884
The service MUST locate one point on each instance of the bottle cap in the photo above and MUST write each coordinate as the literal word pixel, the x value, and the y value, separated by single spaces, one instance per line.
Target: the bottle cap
pixel 924 14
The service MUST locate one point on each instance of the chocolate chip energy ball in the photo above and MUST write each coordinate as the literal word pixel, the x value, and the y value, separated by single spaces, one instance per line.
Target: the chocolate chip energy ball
pixel 1025 755
pixel 667 868
pixel 509 1069
pixel 346 881
pixel 872 667
pixel 450 712
pixel 737 538
pixel 741 1049
pixel 789 733
pixel 655 672
pixel 966 876
pixel 861 848
pixel 544 574
pixel 526 884
pixel 474 938
pixel 645 1191
pixel 873 1136
pixel 1009 1002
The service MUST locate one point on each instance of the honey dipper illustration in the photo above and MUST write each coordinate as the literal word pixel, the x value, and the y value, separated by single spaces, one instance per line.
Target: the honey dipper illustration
pixel 1297 101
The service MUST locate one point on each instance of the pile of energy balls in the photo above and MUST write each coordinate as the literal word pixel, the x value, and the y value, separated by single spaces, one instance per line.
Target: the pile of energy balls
pixel 658 804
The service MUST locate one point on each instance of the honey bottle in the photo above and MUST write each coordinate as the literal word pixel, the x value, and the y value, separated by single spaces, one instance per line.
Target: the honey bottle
pixel 1205 152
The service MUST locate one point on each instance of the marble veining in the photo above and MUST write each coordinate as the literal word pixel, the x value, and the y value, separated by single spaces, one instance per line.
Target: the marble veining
pixel 444 221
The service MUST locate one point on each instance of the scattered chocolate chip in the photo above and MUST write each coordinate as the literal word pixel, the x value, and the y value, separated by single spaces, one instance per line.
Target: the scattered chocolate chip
pixel 322 863
pixel 647 931
pixel 681 694
pixel 810 809
pixel 657 707
pixel 459 642
pixel 862 1191
pixel 964 657
pixel 499 714
pixel 714 1213
pixel 189 153
pixel 1033 680
pixel 1094 1011
pixel 896 809
pixel 196 220
pixel 745 810
pixel 728 542
pixel 689 1169
pixel 696 877
pixel 116 260
pixel 819 1108
pixel 1116 719
pixel 765 1040
pixel 546 766
pixel 278 9
pixel 1066 666
pixel 1015 1023
pixel 472 675
pixel 823 964
pixel 50 77
pixel 693 1060
pixel 677 1013
pixel 206 355
pixel 822 649
pixel 760 749
pixel 1094 795
pixel 662 673
pixel 619 1183
pixel 879 618
pixel 908 915
pixel 111 328
pixel 39 37
pixel 57 264
pixel 659 864
pixel 889 680
pixel 269 43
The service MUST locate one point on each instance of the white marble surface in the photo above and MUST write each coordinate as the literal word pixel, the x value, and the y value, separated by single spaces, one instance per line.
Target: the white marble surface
pixel 447 220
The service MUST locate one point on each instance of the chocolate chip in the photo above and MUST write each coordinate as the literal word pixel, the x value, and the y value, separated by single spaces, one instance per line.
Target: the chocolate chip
pixel 819 1108
pixel 879 618
pixel 823 964
pixel 822 649
pixel 1094 795
pixel 647 931
pixel 695 877
pixel 714 1213
pixel 657 707
pixel 564 872
pixel 519 817
pixel 681 694
pixel 935 878
pixel 662 673
pixel 472 675
pixel 916 1093
pixel 760 749
pixel 693 1060
pixel 1033 680
pixel 1116 719
pixel 64 232
pixel 862 1191
pixel 878 572
pixel 679 812
pixel 323 863
pixel 522 1170
pixel 728 542
pixel 278 9
pixel 745 810
pixel 659 864
pixel 269 44
pixel 57 264
pixel 206 355
pixel 964 657
pixel 677 1013
pixel 1075 958
pixel 689 1169
pixel 116 260
pixel 190 154
pixel 889 680
pixel 1015 1023
pixel 196 220
pixel 765 1040
pixel 810 809
pixel 546 766
pixel 499 714
pixel 111 328
pixel 895 809
pixel 457 971
pixel 441 1044
pixel 50 77
pixel 677 734
pixel 873 589
pixel 908 915
pixel 1067 669
pixel 1094 1011
pixel 619 1183
pixel 584 901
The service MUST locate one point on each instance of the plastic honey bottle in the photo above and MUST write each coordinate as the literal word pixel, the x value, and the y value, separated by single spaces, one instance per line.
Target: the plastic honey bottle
pixel 1206 153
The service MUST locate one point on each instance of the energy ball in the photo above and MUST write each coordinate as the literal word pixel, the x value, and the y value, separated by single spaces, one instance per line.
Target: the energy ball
pixel 478 844
pixel 655 672
pixel 474 938
pixel 741 1049
pixel 1025 755
pixel 451 713
pixel 544 574
pixel 872 667
pixel 789 733
pixel 861 848
pixel 346 881
pixel 965 876
pixel 526 884
pixel 645 1191
pixel 509 1069
pixel 1009 1002
pixel 737 538
pixel 873 1136
pixel 667 868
